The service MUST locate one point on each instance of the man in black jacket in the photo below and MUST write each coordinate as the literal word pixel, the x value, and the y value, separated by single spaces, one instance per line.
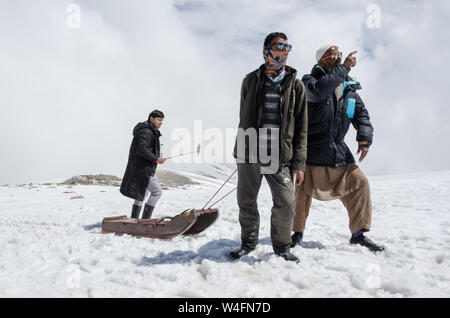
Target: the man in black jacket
pixel 141 168
pixel 331 172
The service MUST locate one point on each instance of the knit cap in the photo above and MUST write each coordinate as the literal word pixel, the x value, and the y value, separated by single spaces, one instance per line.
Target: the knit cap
pixel 321 51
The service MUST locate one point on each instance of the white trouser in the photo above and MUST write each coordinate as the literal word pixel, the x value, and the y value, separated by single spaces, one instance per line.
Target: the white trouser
pixel 154 188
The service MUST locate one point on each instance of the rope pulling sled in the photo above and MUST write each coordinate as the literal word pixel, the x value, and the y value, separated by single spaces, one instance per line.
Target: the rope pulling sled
pixel 188 222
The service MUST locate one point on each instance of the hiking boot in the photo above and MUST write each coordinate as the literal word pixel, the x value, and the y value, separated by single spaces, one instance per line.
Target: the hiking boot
pixel 135 210
pixel 148 210
pixel 239 253
pixel 288 256
pixel 366 242
pixel 297 238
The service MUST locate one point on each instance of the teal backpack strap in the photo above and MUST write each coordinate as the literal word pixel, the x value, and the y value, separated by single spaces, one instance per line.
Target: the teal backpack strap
pixel 347 84
pixel 351 105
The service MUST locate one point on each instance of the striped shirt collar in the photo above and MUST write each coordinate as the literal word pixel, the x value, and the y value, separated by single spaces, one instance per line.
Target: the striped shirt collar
pixel 279 77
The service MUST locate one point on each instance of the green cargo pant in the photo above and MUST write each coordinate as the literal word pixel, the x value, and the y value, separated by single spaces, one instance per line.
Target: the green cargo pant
pixel 282 188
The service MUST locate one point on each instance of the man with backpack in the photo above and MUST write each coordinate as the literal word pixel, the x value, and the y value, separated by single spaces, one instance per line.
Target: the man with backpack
pixel 331 172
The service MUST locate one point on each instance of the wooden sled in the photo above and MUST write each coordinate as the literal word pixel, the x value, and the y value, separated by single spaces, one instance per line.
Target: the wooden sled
pixel 162 228
pixel 189 222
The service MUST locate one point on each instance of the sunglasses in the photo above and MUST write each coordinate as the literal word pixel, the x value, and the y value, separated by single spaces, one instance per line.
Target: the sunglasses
pixel 281 46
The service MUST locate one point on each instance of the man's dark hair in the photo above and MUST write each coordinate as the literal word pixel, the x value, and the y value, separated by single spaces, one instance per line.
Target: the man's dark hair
pixel 156 114
pixel 274 35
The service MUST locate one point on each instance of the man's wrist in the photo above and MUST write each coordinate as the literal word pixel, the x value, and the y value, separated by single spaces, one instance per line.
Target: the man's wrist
pixel 363 143
pixel 346 66
pixel 299 167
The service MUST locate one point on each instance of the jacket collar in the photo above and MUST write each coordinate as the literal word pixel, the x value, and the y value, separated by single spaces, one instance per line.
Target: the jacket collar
pixel 155 130
pixel 318 71
pixel 290 71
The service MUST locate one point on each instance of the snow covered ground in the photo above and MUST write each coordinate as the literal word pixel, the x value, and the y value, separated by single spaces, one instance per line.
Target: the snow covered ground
pixel 52 246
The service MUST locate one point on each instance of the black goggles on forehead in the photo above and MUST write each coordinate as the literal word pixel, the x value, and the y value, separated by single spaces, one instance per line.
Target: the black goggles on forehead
pixel 281 46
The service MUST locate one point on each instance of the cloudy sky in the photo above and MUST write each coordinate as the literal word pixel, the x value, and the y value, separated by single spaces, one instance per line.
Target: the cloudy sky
pixel 70 97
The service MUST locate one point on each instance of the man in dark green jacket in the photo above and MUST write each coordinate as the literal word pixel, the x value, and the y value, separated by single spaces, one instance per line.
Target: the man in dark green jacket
pixel 271 142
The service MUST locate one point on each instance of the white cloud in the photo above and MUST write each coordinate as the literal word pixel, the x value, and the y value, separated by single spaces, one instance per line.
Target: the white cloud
pixel 70 98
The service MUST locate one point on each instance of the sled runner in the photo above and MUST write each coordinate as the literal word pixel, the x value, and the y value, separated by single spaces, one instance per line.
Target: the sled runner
pixel 205 218
pixel 163 228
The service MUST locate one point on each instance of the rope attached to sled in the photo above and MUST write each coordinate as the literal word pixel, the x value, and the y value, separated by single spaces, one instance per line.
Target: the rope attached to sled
pixel 163 218
pixel 218 192
pixel 221 198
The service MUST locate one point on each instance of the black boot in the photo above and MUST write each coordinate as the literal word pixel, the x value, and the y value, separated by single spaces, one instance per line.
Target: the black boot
pixel 297 238
pixel 148 210
pixel 288 256
pixel 135 211
pixel 366 242
pixel 239 253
